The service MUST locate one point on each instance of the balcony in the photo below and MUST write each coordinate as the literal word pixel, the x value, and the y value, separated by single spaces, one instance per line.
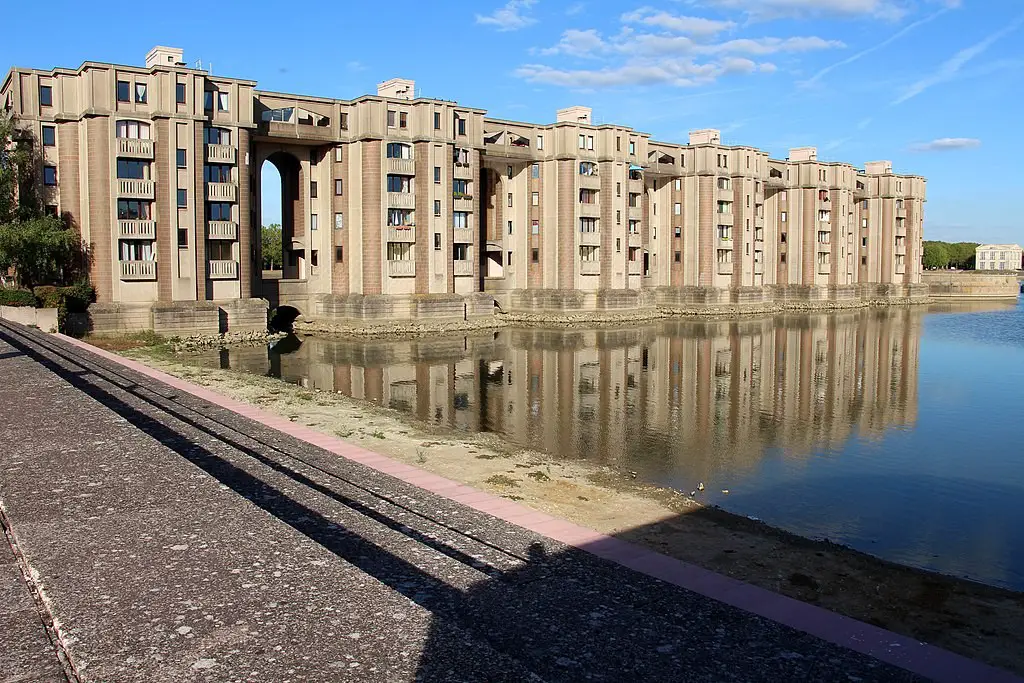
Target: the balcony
pixel 901 213
pixel 634 239
pixel 138 270
pixel 136 230
pixel 463 235
pixel 223 270
pixel 758 267
pixel 590 238
pixel 401 200
pixel 774 182
pixel 222 230
pixel 462 202
pixel 635 267
pixel 463 172
pixel 724 218
pixel 724 195
pixel 725 268
pixel 636 186
pixel 131 188
pixel 634 213
pixel 402 268
pixel 402 166
pixel 508 150
pixel 401 234
pixel 592 210
pixel 221 192
pixel 132 148
pixel 901 249
pixel 724 242
pixel 220 154
pixel 590 182
pixel 590 267
pixel 824 267
pixel 463 267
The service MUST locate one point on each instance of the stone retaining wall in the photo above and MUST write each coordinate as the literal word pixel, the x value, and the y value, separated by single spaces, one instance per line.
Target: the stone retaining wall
pixel 43 318
pixel 943 284
pixel 175 319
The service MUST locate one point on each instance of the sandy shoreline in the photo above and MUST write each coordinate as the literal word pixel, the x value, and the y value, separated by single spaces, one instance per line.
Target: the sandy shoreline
pixel 978 621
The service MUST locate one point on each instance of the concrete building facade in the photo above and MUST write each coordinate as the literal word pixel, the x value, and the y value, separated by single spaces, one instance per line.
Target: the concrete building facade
pixel 402 207
pixel 998 257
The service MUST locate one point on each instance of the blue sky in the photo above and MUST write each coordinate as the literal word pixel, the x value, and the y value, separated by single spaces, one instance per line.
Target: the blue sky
pixel 937 86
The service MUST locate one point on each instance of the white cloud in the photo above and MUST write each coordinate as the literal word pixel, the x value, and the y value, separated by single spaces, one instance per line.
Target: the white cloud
pixel 577 43
pixel 763 10
pixel 946 145
pixel 951 67
pixel 864 123
pixel 513 16
pixel 698 26
pixel 575 8
pixel 681 73
pixel 767 46
pixel 878 46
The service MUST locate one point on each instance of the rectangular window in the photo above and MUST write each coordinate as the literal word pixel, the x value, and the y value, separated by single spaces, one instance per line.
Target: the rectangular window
pixel 181 157
pixel 437 120
pixel 220 251
pixel 590 142
pixel 582 141
pixel 140 93
pixel 535 255
pixel 314 221
pixel 678 256
pixel 632 147
pixel 677 209
pixel 588 225
pixel 182 238
pixel 863 222
pixel 460 188
pixel 133 169
pixel 677 231
pixel 217 136
pixel 339 254
pixel 133 209
pixel 460 219
pixel 437 175
pixel 45 96
pixel 678 184
pixel 403 119
pixel 589 254
pixel 218 173
pixel 509 173
pixel 398 150
pixel 510 200
pixel 179 93
pixel 535 171
pixel 124 91
pixel 208 100
pixel 618 144
pixel 783 218
pixel 540 142
pixel 399 251
pixel 863 241
pixel 460 126
pixel 460 252
pixel 339 221
pixel 219 211
pixel 535 198
pixel 535 228
pixel 49 136
pixel 391 118
pixel 618 245
pixel 339 187
pixel 510 227
pixel 437 207
pixel 437 236
pixel 618 189
pixel 618 217
pixel 509 259
pixel 782 237
pixel 339 154
pixel 182 199
pixel 312 189
pixel 399 183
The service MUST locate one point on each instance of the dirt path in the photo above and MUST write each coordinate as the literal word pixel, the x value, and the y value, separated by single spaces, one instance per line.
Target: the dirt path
pixel 972 619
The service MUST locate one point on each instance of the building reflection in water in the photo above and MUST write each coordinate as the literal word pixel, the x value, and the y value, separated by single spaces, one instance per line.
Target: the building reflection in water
pixel 676 399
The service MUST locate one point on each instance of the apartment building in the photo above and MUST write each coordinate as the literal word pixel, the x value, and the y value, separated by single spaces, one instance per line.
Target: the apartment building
pixel 998 257
pixel 397 206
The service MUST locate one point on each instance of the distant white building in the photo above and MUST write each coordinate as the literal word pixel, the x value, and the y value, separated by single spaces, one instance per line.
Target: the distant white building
pixel 998 257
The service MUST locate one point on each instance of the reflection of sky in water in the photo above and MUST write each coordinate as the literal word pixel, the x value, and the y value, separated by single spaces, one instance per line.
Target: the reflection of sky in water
pixel 895 432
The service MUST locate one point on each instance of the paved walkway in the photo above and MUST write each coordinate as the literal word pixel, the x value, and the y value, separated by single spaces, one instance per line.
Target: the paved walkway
pixel 172 539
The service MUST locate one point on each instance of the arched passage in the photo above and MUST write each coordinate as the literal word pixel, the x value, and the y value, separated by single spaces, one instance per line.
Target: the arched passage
pixel 280 186
pixel 284 317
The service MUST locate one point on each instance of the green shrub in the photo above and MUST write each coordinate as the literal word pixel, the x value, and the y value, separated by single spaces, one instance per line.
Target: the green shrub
pixel 17 297
pixel 47 296
pixel 78 297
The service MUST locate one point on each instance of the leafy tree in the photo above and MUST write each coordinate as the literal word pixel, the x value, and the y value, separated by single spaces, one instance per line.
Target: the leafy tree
pixel 959 255
pixel 935 255
pixel 41 248
pixel 273 254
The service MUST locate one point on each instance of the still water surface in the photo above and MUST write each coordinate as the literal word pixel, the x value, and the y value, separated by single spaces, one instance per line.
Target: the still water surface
pixel 895 431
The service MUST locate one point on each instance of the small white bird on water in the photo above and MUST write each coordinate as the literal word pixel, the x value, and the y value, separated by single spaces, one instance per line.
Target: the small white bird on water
pixel 700 486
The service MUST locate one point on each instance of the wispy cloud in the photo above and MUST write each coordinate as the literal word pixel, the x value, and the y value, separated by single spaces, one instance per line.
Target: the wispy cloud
pixel 675 23
pixel 765 10
pixel 874 48
pixel 575 8
pixel 864 123
pixel 946 145
pixel 512 16
pixel 951 67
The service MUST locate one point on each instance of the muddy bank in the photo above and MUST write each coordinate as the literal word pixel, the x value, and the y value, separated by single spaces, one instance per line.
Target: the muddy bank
pixel 975 620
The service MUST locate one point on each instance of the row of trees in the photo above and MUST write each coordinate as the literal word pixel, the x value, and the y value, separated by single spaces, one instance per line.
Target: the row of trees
pixel 959 255
pixel 38 247
pixel 273 248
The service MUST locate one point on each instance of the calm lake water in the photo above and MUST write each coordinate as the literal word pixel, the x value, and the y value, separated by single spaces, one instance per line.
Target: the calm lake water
pixel 896 431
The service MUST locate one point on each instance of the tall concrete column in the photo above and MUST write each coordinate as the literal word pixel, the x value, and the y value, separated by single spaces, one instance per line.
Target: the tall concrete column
pixel 373 199
pixel 246 253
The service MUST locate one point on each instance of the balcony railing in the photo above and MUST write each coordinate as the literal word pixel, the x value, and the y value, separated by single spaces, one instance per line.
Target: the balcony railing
pixel 725 268
pixel 138 270
pixel 901 213
pixel 463 267
pixel 634 239
pixel 135 149
pixel 402 166
pixel 724 218
pixel 221 192
pixel 136 229
pixel 634 213
pixel 772 181
pixel 223 270
pixel 635 267
pixel 590 182
pixel 130 188
pixel 758 267
pixel 464 235
pixel 824 268
pixel 724 242
pixel 222 230
pixel 402 268
pixel 462 202
pixel 590 238
pixel 221 154
pixel 401 200
pixel 401 234
pixel 463 172
pixel 590 267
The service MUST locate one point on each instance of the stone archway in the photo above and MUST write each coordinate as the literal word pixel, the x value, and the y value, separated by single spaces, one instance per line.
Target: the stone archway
pixel 293 228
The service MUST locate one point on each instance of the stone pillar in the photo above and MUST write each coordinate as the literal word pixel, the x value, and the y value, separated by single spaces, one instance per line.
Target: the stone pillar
pixel 707 258
pixel 567 200
pixel 197 206
pixel 246 252
pixel 373 189
pixel 424 237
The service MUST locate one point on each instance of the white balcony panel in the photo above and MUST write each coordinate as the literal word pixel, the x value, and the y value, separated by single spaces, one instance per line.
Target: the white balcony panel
pixel 138 270
pixel 136 229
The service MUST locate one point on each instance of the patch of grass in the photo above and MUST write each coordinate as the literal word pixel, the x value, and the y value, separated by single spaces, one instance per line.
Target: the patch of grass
pixel 512 497
pixel 303 396
pixel 487 456
pixel 344 434
pixel 378 434
pixel 538 476
pixel 145 339
pixel 502 480
pixel 421 456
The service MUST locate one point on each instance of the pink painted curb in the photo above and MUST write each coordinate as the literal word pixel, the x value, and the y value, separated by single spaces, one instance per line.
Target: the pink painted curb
pixel 906 653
